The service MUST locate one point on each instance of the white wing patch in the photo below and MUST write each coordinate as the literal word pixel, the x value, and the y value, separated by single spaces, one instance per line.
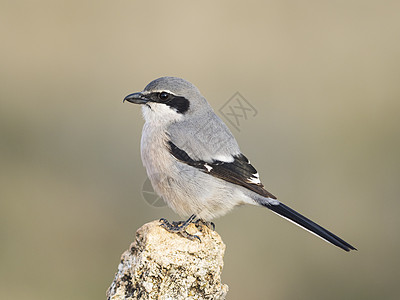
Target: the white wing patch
pixel 224 158
pixel 255 178
pixel 208 167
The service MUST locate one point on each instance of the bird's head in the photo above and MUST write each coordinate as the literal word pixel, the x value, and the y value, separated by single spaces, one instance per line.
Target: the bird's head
pixel 168 99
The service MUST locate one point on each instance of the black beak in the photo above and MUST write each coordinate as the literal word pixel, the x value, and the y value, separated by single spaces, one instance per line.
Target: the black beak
pixel 137 98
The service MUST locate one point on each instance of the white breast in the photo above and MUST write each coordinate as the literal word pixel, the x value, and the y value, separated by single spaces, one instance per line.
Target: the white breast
pixel 185 189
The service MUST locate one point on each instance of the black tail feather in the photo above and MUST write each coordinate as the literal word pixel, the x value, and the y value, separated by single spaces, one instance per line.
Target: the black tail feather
pixel 288 213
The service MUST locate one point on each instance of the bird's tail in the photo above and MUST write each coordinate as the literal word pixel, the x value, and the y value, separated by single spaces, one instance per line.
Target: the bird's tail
pixel 300 220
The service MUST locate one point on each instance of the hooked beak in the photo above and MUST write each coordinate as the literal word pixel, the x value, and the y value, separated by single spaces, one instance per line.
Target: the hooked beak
pixel 137 98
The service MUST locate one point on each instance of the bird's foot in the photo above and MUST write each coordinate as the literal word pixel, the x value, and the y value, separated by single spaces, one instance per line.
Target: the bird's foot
pixel 180 227
pixel 200 222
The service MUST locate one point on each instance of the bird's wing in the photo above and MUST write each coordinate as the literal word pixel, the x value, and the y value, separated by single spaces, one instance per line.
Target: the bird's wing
pixel 204 137
pixel 239 171
pixel 242 173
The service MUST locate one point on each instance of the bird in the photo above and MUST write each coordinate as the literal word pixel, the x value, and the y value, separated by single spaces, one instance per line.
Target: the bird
pixel 194 162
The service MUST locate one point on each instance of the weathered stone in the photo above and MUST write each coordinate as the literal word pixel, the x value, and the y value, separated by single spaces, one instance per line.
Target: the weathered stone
pixel 164 265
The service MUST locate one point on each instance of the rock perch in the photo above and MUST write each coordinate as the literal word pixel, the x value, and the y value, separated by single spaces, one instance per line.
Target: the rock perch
pixel 163 265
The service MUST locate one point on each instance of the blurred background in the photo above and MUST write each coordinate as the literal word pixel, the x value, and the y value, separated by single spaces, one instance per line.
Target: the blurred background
pixel 323 77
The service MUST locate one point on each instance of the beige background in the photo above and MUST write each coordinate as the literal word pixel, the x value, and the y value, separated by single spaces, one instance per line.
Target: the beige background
pixel 324 78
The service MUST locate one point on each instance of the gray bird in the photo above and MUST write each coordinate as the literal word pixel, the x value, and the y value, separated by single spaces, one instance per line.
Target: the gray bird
pixel 194 163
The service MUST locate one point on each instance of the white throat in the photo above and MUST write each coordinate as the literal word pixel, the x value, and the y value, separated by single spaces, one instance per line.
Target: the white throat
pixel 159 114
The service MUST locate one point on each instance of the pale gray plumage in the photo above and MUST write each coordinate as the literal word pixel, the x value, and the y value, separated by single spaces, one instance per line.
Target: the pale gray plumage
pixel 193 161
pixel 203 136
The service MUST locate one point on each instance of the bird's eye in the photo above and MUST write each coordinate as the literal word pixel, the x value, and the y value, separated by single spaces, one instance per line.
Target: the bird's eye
pixel 163 96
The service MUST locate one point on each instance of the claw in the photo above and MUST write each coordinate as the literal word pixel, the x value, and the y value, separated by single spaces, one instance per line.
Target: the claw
pixel 208 224
pixel 179 227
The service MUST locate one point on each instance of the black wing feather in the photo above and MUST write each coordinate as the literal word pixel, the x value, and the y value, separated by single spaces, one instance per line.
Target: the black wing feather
pixel 239 172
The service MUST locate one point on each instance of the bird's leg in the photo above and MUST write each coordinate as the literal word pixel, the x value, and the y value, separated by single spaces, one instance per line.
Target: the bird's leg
pixel 179 227
pixel 208 224
pixel 177 223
